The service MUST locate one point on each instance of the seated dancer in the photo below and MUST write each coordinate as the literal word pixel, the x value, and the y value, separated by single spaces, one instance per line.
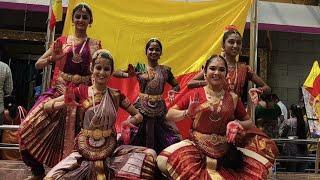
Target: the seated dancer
pixel 154 131
pixel 219 123
pixel 238 73
pixel 46 138
pixel 96 155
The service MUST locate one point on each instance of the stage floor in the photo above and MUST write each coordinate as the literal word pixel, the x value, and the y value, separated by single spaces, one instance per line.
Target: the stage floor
pixel 17 170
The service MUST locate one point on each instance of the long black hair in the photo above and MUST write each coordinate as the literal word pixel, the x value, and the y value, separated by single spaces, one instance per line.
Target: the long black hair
pixel 10 105
pixel 297 112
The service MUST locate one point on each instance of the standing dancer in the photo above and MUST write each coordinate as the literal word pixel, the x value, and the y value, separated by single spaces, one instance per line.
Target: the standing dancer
pixel 47 137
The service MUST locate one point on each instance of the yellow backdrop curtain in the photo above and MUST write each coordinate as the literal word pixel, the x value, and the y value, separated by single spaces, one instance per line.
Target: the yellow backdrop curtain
pixel 189 31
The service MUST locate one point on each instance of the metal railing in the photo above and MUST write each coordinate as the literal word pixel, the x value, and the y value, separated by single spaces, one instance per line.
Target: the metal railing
pixel 309 158
pixel 6 145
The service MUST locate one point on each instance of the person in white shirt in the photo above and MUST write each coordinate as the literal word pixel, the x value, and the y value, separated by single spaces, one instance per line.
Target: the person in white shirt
pixel 284 110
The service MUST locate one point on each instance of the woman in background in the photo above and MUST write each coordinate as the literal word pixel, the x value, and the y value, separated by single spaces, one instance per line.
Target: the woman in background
pixel 12 115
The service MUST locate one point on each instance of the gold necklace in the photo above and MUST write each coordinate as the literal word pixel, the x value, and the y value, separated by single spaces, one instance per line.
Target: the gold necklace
pixel 232 85
pixel 215 98
pixel 77 56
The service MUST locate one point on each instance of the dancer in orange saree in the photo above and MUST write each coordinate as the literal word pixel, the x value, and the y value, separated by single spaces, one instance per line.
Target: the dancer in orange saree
pixel 96 155
pixel 220 123
pixel 48 137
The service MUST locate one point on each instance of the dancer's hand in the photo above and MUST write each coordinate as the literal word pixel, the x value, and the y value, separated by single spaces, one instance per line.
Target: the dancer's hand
pixel 57 52
pixel 131 71
pixel 171 95
pixel 194 106
pixel 127 124
pixel 254 95
pixel 125 130
pixel 69 97
pixel 232 129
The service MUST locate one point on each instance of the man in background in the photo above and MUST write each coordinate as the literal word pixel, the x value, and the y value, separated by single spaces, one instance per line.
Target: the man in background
pixel 284 110
pixel 6 84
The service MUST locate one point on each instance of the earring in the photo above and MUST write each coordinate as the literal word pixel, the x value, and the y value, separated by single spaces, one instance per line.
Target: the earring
pixel 223 53
pixel 72 24
pixel 89 25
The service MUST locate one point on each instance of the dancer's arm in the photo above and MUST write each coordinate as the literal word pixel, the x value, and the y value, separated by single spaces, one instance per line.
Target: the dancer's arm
pixel 197 81
pixel 261 84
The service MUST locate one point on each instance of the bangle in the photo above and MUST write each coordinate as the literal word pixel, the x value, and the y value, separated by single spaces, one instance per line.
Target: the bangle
pixel 261 89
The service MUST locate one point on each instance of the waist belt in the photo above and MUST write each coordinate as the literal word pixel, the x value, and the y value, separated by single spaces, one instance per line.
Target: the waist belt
pixel 150 97
pixel 74 78
pixel 97 133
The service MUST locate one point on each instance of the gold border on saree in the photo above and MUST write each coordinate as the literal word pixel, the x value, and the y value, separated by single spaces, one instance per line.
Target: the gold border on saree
pixel 97 133
pixel 150 97
pixel 76 78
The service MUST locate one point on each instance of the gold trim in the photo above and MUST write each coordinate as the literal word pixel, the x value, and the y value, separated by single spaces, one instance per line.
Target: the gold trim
pixel 76 78
pixel 150 97
pixel 97 133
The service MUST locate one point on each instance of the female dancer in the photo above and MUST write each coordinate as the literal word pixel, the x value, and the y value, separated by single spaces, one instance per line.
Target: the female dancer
pixel 238 73
pixel 48 137
pixel 96 156
pixel 219 117
pixel 153 132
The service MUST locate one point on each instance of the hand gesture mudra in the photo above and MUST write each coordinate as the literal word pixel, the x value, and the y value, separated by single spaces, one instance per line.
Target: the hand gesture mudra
pixel 131 70
pixel 194 105
pixel 233 127
pixel 171 95
pixel 254 95
pixel 57 52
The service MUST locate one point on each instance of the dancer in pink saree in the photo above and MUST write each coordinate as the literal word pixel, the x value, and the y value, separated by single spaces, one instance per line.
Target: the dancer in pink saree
pixel 46 138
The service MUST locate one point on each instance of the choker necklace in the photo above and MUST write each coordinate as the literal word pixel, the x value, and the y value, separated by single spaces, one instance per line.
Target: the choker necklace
pixel 77 56
pixel 93 98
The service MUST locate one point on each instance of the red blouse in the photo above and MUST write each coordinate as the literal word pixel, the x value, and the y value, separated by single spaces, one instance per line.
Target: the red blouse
pixel 203 123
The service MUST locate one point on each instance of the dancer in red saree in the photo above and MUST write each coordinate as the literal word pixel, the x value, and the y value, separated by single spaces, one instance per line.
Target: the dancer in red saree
pixel 238 73
pixel 219 123
pixel 96 155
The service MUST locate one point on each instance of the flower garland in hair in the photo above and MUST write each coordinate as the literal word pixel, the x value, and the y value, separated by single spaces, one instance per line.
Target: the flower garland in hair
pixel 230 28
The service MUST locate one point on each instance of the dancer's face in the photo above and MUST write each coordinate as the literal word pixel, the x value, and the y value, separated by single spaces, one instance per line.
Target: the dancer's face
pixel 102 71
pixel 216 72
pixel 154 51
pixel 233 44
pixel 81 19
